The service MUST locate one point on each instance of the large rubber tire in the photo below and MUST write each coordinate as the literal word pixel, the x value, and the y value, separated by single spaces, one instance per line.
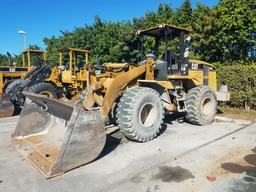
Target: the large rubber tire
pixel 15 89
pixel 15 84
pixel 201 106
pixel 44 89
pixel 140 114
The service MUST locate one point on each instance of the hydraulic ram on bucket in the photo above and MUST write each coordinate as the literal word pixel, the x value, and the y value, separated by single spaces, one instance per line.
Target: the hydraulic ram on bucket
pixel 56 137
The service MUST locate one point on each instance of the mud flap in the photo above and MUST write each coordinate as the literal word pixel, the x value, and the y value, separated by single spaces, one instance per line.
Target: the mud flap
pixel 6 106
pixel 56 137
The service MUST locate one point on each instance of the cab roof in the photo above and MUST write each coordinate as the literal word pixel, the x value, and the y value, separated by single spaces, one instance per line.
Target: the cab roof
pixel 158 31
pixel 74 50
pixel 33 51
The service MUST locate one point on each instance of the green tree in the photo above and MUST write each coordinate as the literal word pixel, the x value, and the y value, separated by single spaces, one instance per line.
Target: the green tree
pixel 233 35
pixel 183 16
pixel 3 60
pixel 202 25
pixel 225 32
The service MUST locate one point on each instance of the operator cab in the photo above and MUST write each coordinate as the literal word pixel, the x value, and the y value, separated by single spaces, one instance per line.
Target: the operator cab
pixel 73 60
pixel 33 56
pixel 170 62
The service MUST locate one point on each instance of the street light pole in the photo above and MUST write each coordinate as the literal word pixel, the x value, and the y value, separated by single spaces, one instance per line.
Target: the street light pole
pixel 25 41
pixel 24 36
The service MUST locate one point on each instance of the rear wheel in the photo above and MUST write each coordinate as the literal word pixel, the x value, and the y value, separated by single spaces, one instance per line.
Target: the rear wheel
pixel 201 105
pixel 140 114
pixel 45 89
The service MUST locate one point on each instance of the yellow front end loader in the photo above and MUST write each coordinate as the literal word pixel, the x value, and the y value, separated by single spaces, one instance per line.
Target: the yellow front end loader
pixel 67 79
pixel 13 78
pixel 70 75
pixel 12 72
pixel 57 136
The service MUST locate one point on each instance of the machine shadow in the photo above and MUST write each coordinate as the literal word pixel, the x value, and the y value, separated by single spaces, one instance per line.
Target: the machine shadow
pixel 178 116
pixel 111 144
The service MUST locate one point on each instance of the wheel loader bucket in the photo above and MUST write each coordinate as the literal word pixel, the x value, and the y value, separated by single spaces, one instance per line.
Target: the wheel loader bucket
pixel 56 136
pixel 6 106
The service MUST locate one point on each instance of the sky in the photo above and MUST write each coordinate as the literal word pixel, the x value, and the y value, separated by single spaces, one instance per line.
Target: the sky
pixel 45 18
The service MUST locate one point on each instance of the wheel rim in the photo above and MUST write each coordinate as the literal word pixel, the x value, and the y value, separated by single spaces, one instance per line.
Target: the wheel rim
pixel 46 94
pixel 148 115
pixel 208 106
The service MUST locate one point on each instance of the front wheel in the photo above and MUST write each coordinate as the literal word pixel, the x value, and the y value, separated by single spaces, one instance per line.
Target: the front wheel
pixel 201 105
pixel 140 114
pixel 45 89
pixel 15 89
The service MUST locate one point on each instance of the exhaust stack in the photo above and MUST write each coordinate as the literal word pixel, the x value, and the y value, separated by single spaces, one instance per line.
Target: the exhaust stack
pixel 10 63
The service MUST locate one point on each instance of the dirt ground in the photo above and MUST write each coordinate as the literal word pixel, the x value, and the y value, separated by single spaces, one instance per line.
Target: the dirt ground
pixel 215 158
pixel 237 113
